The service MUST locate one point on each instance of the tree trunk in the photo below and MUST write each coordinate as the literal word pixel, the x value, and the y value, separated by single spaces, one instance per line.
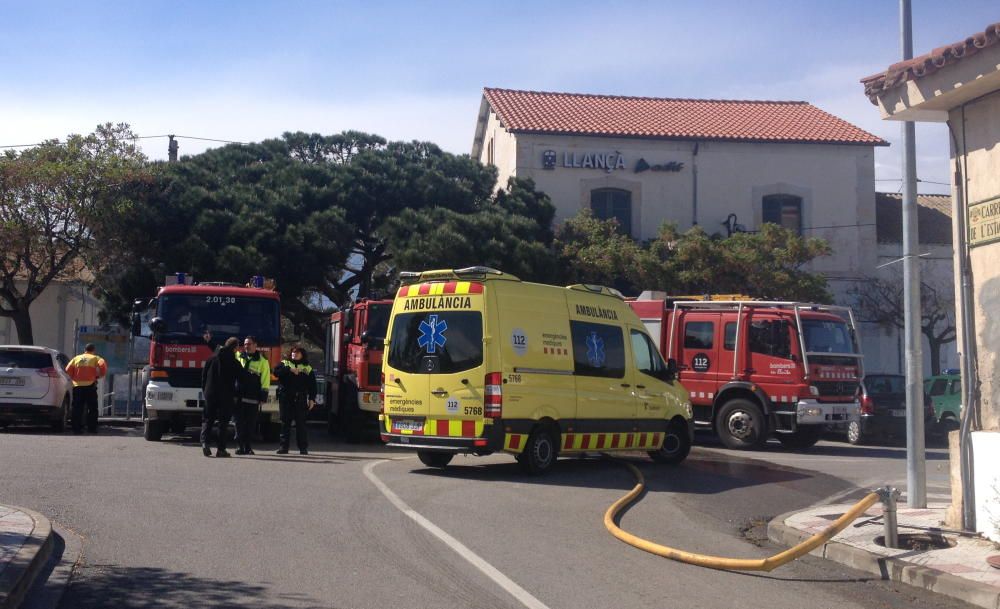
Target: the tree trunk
pixel 22 323
pixel 934 347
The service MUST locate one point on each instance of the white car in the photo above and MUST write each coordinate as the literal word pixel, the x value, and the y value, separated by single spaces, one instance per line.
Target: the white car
pixel 34 386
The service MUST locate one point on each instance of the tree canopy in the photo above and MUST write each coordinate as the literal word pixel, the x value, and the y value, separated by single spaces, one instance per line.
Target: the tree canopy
pixel 329 217
pixel 336 217
pixel 60 204
pixel 770 263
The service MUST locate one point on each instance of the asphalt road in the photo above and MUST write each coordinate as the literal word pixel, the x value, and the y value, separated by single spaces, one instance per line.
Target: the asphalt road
pixel 164 527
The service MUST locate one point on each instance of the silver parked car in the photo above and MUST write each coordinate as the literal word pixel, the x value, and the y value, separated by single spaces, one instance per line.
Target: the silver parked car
pixel 34 386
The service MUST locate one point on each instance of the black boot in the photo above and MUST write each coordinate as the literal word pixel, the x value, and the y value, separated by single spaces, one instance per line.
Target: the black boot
pixel 205 450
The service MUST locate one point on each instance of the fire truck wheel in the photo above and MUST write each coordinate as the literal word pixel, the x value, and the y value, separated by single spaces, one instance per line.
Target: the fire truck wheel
pixel 676 445
pixel 741 425
pixel 540 451
pixel 434 459
pixel 854 435
pixel 804 437
pixel 152 430
pixel 177 426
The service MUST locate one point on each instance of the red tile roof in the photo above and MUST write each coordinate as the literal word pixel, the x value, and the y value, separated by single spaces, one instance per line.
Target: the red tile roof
pixel 918 67
pixel 933 218
pixel 686 119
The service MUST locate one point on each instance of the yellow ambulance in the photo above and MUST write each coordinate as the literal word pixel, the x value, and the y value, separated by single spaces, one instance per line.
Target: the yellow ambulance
pixel 478 361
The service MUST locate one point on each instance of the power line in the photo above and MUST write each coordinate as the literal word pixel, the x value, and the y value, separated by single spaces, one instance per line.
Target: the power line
pixel 918 180
pixel 138 137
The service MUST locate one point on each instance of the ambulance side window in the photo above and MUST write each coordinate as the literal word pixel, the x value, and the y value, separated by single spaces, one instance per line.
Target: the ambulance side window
pixel 647 358
pixel 598 349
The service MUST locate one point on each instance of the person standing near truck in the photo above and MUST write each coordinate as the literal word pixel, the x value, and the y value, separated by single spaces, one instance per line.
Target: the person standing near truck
pixel 296 395
pixel 85 370
pixel 253 391
pixel 219 380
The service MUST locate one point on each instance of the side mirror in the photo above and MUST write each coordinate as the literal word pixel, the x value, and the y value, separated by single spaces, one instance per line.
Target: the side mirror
pixel 136 325
pixel 671 369
pixel 365 337
pixel 157 325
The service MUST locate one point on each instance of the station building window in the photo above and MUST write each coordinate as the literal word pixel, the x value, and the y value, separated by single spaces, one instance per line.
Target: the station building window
pixel 613 203
pixel 784 210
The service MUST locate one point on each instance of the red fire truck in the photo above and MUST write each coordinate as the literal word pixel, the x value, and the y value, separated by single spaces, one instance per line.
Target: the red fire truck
pixel 183 312
pixel 754 368
pixel 353 367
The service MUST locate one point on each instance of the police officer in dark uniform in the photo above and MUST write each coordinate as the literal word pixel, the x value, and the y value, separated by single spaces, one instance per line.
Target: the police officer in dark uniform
pixel 296 396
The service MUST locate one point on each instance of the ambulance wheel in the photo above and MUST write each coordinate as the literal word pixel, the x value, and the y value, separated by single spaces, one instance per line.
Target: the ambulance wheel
pixel 540 452
pixel 804 437
pixel 152 430
pixel 434 459
pixel 741 425
pixel 676 445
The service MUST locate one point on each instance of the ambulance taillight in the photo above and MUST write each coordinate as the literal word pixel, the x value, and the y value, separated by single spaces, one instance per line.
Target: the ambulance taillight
pixel 493 407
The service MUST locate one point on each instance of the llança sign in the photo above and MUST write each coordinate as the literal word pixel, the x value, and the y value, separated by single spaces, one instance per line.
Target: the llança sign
pixel 608 161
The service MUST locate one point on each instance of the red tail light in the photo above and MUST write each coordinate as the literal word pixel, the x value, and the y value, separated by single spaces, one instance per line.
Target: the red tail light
pixel 867 405
pixel 494 396
pixel 49 372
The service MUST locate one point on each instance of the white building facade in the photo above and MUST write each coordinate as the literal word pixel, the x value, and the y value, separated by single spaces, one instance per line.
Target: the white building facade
pixel 717 164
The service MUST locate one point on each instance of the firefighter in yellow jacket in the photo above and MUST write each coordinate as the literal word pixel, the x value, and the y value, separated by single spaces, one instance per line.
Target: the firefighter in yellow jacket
pixel 85 370
pixel 253 388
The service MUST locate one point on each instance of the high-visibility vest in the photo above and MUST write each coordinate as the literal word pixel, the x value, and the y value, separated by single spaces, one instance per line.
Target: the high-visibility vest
pixel 303 367
pixel 86 369
pixel 260 366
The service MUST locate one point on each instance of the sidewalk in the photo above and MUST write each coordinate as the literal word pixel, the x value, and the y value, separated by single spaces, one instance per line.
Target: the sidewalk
pixel 960 571
pixel 25 545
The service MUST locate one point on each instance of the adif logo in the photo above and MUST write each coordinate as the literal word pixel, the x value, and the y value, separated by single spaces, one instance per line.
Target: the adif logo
pixel 549 159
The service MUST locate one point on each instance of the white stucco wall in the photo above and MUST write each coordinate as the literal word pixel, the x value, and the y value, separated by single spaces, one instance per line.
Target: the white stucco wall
pixel 504 149
pixel 981 144
pixel 836 184
pixel 55 316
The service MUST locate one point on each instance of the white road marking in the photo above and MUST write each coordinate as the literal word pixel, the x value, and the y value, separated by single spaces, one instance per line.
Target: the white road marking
pixel 522 595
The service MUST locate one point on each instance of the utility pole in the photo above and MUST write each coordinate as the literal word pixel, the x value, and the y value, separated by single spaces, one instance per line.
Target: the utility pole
pixel 916 465
pixel 172 150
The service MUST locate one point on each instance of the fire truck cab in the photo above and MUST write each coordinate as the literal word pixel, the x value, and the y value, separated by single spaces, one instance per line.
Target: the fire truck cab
pixel 757 368
pixel 184 312
pixel 353 367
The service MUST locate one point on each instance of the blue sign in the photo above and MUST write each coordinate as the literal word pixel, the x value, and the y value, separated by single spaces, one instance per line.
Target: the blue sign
pixel 595 350
pixel 432 333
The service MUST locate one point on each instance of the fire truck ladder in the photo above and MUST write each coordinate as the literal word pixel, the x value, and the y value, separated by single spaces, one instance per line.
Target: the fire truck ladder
pixel 749 305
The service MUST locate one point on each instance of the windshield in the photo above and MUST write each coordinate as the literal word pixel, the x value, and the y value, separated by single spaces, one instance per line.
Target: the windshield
pixel 191 315
pixel 441 342
pixel 823 336
pixel 885 384
pixel 378 320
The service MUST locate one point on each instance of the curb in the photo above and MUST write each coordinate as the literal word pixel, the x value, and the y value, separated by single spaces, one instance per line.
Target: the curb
pixel 888 568
pixel 18 576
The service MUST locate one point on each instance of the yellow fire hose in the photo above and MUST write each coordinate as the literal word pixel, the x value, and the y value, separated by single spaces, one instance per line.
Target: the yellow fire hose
pixel 719 562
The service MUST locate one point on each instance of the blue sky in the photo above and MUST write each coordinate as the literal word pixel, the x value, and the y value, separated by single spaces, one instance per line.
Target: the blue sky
pixel 249 70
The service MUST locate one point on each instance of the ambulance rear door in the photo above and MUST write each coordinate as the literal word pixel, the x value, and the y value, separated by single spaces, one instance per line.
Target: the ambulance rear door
pixel 435 367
